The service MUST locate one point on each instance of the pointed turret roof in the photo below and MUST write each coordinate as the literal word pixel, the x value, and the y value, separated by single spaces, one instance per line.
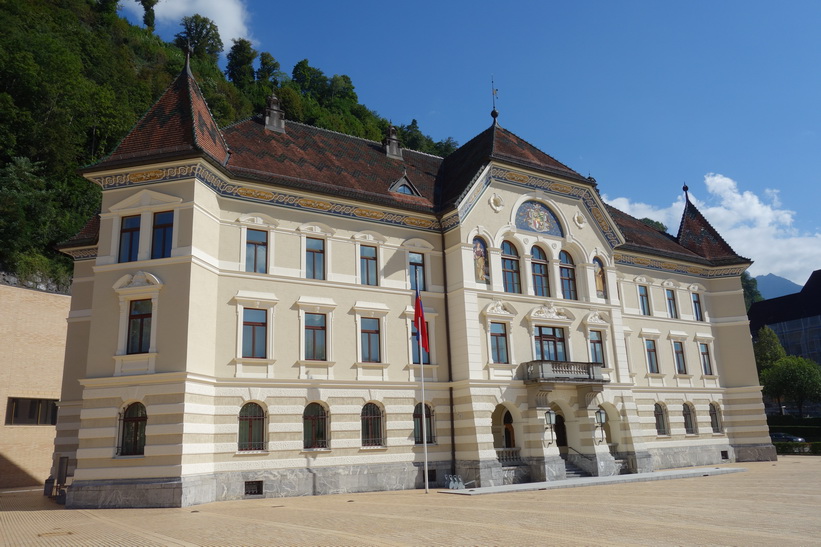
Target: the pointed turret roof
pixel 179 123
pixel 699 236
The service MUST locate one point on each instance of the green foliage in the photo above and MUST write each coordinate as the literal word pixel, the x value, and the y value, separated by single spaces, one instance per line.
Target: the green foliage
pixel 202 35
pixel 148 17
pixel 750 287
pixel 240 68
pixel 767 348
pixel 794 379
pixel 660 226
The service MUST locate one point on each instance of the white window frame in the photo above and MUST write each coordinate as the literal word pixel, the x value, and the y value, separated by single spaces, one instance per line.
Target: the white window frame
pixel 599 322
pixel 655 336
pixel 261 223
pixel 419 246
pixel 250 367
pixel 315 231
pixel 326 306
pixel 553 317
pixel 139 286
pixel 378 311
pixel 369 239
pixel 143 204
pixel 706 339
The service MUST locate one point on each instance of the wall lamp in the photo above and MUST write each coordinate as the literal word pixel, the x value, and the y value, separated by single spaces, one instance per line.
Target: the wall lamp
pixel 550 421
pixel 601 419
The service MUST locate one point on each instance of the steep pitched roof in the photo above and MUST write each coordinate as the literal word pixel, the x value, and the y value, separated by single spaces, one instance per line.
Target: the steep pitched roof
pixel 178 123
pixel 494 143
pixel 699 236
pixel 325 161
pixel 806 303
pixel 642 238
pixel 87 236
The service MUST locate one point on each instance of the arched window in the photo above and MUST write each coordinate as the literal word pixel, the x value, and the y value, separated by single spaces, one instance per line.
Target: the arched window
pixel 567 271
pixel 598 273
pixel 372 425
pixel 132 430
pixel 251 427
pixel 481 270
pixel 315 426
pixel 689 419
pixel 417 424
pixel 510 268
pixel 661 420
pixel 715 418
pixel 541 281
pixel 510 436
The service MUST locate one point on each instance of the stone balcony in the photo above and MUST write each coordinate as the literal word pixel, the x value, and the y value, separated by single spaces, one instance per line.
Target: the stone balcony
pixel 541 372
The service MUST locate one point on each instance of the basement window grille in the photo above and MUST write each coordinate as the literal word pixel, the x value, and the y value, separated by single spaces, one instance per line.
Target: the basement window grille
pixel 253 488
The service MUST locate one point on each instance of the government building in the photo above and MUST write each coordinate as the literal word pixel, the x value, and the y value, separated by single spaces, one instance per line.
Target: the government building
pixel 242 320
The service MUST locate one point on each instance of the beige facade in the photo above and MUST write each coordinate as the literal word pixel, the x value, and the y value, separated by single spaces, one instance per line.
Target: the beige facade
pixel 32 338
pixel 275 368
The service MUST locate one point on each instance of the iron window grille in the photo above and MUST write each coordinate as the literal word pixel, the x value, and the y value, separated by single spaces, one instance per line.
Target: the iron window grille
pixel 372 425
pixel 132 430
pixel 252 422
pixel 417 424
pixel 315 427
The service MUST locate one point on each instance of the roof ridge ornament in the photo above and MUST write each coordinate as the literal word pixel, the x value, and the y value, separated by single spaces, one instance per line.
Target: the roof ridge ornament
pixel 274 115
pixel 391 142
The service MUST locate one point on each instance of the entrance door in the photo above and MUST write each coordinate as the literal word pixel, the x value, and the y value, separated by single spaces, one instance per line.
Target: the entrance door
pixel 561 434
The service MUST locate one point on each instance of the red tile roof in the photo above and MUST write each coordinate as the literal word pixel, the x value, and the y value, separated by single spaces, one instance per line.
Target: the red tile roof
pixel 87 236
pixel 699 236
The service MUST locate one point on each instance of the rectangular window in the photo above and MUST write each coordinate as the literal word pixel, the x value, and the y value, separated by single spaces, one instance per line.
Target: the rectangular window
pixel 21 411
pixel 367 265
pixel 697 313
pixel 370 340
pixel 415 344
pixel 706 364
pixel 315 336
pixel 596 347
pixel 139 326
pixel 254 328
pixel 549 344
pixel 256 251
pixel 315 258
pixel 644 300
pixel 161 234
pixel 129 238
pixel 672 310
pixel 416 271
pixel 678 352
pixel 652 358
pixel 541 284
pixel 498 343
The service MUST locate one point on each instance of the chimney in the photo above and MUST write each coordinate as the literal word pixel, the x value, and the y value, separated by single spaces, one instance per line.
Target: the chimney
pixel 274 116
pixel 391 143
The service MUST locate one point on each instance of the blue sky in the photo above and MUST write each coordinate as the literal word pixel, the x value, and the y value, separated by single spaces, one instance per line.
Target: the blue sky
pixel 644 96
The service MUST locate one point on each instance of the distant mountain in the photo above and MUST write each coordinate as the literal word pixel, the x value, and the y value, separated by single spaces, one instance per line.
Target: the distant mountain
pixel 773 286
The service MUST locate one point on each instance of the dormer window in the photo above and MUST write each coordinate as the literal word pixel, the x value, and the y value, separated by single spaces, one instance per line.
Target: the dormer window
pixel 404 189
pixel 404 186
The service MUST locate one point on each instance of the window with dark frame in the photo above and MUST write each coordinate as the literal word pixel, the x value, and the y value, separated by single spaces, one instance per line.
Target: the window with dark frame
pixel 129 239
pixel 652 357
pixel 132 430
pixel 660 415
pixel 314 258
pixel 644 300
pixel 539 266
pixel 139 327
pixel 672 309
pixel 370 337
pixel 416 271
pixel 367 265
pixel 689 419
pixel 161 234
pixel 549 343
pixel 25 411
pixel 706 363
pixel 256 251
pixel 372 425
pixel 715 418
pixel 315 337
pixel 254 333
pixel 596 347
pixel 417 424
pixel 315 426
pixel 251 428
pixel 510 268
pixel 498 343
pixel 567 272
pixel 678 353
pixel 697 312
pixel 415 345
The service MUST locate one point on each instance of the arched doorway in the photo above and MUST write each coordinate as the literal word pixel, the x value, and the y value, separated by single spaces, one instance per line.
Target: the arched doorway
pixel 510 435
pixel 560 431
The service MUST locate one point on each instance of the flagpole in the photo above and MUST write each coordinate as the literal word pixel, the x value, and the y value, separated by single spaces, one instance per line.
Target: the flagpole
pixel 422 372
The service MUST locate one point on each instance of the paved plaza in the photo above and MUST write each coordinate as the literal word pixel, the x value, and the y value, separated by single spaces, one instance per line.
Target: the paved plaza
pixel 771 503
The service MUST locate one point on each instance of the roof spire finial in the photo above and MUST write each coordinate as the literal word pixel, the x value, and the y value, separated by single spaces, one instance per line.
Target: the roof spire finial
pixel 686 190
pixel 189 51
pixel 494 93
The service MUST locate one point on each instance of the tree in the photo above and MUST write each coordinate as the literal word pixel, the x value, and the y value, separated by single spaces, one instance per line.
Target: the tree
pixel 148 16
pixel 310 81
pixel 240 67
pixel 660 226
pixel 750 287
pixel 768 349
pixel 202 35
pixel 269 69
pixel 794 379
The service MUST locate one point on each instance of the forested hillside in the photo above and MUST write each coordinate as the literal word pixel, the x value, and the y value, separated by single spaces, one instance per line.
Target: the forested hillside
pixel 75 77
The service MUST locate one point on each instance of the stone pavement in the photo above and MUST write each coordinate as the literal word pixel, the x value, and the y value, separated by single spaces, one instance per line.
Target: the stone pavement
pixel 772 503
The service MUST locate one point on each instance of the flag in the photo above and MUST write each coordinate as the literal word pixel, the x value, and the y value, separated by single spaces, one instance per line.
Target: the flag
pixel 419 322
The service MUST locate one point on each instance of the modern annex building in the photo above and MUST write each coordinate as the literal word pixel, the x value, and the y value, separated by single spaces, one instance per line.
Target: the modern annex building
pixel 242 320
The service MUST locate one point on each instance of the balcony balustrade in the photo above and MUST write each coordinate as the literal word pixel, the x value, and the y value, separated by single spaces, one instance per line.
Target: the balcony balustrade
pixel 563 371
pixel 509 456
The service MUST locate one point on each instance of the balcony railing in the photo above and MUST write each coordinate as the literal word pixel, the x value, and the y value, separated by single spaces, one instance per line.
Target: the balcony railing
pixel 563 371
pixel 508 456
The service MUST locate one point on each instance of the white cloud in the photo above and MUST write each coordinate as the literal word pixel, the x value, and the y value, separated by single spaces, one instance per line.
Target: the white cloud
pixel 755 228
pixel 230 16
